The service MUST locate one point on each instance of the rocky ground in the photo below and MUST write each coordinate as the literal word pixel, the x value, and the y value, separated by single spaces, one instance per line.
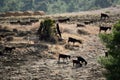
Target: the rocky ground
pixel 40 61
pixel 31 63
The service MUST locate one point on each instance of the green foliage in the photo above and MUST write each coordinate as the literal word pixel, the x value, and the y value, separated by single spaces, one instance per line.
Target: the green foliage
pixel 47 30
pixel 112 63
pixel 55 6
pixel 103 3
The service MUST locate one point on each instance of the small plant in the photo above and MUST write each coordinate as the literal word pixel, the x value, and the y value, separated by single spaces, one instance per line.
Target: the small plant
pixel 21 33
pixel 9 38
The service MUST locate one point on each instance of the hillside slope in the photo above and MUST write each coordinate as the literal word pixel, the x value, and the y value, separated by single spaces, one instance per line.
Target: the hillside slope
pixel 40 61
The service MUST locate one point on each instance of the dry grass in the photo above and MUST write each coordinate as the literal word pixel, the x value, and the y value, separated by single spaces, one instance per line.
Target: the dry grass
pixel 90 50
pixel 67 29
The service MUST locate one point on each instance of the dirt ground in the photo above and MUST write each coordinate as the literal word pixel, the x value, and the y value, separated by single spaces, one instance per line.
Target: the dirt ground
pixel 26 63
pixel 40 61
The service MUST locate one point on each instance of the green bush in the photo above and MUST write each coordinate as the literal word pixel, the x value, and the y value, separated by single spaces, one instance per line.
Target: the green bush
pixel 47 30
pixel 112 63
pixel 23 33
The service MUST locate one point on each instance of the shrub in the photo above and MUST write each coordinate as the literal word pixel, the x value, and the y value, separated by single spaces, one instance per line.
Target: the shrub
pixel 47 30
pixel 23 33
pixel 112 63
pixel 9 38
pixel 15 30
pixel 82 32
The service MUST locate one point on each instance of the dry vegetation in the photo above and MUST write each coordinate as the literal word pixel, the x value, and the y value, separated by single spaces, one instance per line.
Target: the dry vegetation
pixel 37 60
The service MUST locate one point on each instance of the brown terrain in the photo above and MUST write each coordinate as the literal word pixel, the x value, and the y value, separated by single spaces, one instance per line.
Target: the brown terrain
pixel 38 60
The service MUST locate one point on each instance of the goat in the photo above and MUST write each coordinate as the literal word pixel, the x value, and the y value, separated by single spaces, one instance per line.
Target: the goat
pixel 104 16
pixel 104 28
pixel 64 56
pixel 70 39
pixel 34 20
pixel 25 23
pixel 9 49
pixel 80 25
pixel 14 22
pixel 77 62
pixel 2 35
pixel 81 59
pixel 63 20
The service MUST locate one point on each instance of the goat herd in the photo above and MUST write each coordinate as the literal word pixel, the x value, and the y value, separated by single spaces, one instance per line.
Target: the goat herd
pixel 78 62
pixel 102 18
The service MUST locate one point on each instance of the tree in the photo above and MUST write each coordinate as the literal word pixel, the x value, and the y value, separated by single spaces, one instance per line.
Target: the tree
pixel 55 6
pixel 102 3
pixel 47 30
pixel 112 42
pixel 42 6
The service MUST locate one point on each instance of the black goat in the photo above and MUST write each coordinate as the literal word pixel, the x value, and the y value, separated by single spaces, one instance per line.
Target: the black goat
pixel 77 62
pixel 80 25
pixel 2 35
pixel 14 22
pixel 70 39
pixel 64 56
pixel 25 23
pixel 34 20
pixel 104 28
pixel 9 49
pixel 104 16
pixel 81 59
pixel 63 20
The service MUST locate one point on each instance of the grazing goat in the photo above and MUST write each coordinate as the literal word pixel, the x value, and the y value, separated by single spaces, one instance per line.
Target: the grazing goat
pixel 70 39
pixel 9 49
pixel 80 25
pixel 14 22
pixel 81 59
pixel 63 20
pixel 104 28
pixel 64 56
pixel 104 16
pixel 25 23
pixel 77 62
pixel 34 20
